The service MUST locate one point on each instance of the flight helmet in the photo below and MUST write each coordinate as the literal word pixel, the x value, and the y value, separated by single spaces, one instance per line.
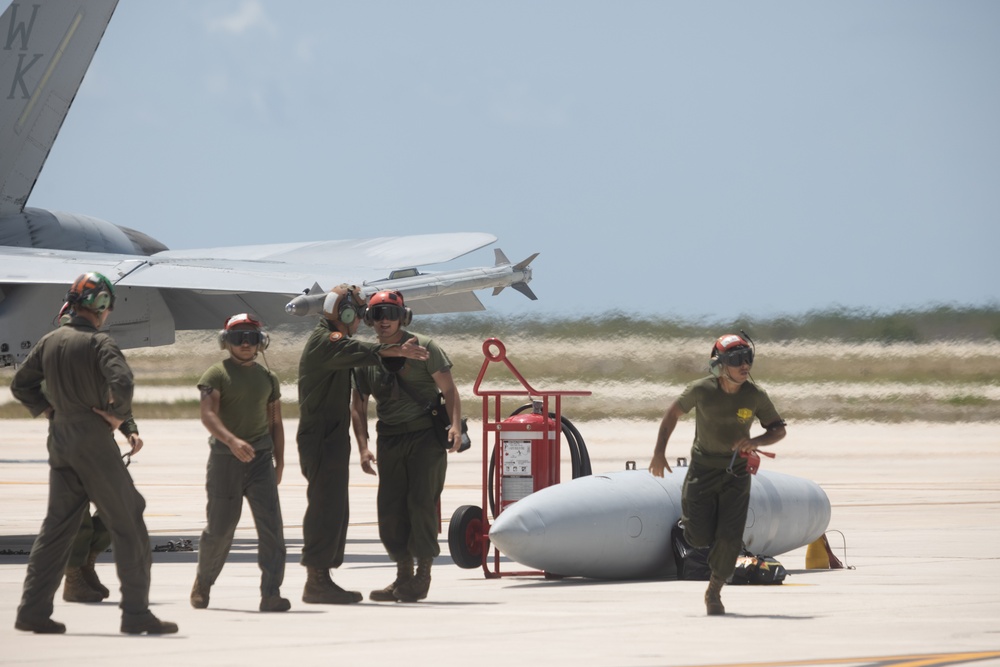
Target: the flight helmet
pixel 91 291
pixel 243 328
pixel 387 304
pixel 730 350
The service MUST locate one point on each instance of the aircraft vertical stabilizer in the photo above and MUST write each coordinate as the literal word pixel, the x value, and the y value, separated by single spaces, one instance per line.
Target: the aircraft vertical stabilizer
pixel 46 50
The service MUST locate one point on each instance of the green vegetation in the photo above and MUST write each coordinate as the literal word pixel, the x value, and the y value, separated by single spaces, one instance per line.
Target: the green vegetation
pixel 941 364
pixel 935 324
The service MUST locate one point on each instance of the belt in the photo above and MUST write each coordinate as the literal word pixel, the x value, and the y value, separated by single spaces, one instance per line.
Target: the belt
pixel 418 424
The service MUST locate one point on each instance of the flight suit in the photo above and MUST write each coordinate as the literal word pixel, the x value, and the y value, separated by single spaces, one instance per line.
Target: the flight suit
pixel 82 369
pixel 94 536
pixel 324 438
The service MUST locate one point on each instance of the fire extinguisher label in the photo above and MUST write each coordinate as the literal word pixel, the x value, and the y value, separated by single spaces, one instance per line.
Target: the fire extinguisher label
pixel 517 457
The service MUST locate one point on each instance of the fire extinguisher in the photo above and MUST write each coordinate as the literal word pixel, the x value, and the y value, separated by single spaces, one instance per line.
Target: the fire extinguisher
pixel 529 454
pixel 529 460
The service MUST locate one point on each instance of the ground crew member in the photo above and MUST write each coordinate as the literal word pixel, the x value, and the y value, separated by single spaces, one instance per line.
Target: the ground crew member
pixel 714 500
pixel 241 408
pixel 82 583
pixel 412 448
pixel 84 373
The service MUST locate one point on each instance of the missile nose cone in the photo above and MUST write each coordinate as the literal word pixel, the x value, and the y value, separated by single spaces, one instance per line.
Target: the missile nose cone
pixel 306 304
pixel 297 306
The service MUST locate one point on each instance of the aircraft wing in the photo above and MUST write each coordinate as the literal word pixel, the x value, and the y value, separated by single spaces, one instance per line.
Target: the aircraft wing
pixel 286 268
pixel 199 289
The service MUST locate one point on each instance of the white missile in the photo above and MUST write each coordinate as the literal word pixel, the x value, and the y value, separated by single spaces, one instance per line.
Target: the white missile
pixel 617 525
pixel 442 286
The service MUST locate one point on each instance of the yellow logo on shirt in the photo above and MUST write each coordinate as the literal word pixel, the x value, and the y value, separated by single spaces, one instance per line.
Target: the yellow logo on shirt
pixel 744 415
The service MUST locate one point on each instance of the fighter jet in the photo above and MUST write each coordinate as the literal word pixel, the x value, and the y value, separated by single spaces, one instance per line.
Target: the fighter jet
pixel 618 525
pixel 47 47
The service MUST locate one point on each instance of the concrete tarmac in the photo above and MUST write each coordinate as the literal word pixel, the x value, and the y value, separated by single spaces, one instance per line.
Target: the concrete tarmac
pixel 916 518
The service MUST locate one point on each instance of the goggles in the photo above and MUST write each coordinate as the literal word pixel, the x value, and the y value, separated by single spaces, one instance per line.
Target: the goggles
pixel 737 357
pixel 238 337
pixel 386 312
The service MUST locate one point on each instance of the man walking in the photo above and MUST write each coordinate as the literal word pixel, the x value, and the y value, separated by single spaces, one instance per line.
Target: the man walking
pixel 716 491
pixel 241 408
pixel 84 373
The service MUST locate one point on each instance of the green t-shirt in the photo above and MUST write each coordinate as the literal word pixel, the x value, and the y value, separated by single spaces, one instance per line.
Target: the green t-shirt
pixel 244 394
pixel 393 404
pixel 721 419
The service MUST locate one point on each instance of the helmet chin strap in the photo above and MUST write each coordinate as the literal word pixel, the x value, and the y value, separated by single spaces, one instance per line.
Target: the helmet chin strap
pixel 732 379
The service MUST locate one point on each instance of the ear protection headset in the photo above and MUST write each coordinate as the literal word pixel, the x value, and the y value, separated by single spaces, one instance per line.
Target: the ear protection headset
pixel 92 291
pixel 244 318
pixel 346 302
pixel 390 299
pixel 348 311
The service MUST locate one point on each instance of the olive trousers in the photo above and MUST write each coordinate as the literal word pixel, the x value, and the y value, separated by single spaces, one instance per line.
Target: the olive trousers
pixel 714 506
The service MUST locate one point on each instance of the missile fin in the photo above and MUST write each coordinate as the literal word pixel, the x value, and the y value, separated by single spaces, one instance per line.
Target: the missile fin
pixel 525 290
pixel 523 264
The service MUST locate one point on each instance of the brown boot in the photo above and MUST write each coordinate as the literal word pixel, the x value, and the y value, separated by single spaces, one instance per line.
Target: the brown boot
pixel 404 572
pixel 416 588
pixel 75 589
pixel 320 589
pixel 90 576
pixel 199 594
pixel 713 597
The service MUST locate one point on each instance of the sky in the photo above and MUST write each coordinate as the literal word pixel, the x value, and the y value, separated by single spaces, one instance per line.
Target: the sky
pixel 666 159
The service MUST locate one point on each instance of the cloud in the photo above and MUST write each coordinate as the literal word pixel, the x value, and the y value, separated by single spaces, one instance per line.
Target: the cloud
pixel 248 16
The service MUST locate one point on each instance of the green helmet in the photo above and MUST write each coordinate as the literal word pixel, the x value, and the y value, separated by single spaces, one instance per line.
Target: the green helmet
pixel 92 291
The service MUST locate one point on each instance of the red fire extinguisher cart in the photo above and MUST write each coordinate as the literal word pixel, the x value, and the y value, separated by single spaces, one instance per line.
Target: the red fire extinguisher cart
pixel 525 458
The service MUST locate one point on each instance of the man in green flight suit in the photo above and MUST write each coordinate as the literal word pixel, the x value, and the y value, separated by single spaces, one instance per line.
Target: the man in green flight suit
pixel 324 439
pixel 87 393
pixel 412 447
pixel 82 583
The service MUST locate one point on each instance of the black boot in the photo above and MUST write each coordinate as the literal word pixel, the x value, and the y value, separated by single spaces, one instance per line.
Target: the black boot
pixel 145 622
pixel 404 572
pixel 416 588
pixel 274 602
pixel 46 627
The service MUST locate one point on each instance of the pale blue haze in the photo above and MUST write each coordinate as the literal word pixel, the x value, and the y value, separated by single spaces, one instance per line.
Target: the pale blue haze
pixel 666 158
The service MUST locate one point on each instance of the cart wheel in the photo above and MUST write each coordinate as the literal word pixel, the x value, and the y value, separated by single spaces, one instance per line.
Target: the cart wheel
pixel 465 537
